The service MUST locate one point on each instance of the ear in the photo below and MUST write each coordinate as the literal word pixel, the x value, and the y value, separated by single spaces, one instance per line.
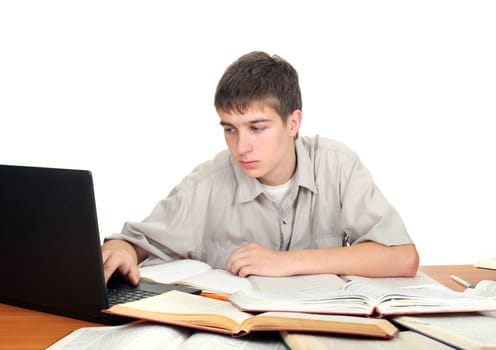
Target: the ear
pixel 293 122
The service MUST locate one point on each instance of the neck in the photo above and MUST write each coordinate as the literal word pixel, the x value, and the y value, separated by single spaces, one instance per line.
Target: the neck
pixel 283 172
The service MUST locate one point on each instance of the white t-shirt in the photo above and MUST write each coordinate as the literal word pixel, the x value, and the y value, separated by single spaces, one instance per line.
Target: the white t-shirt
pixel 279 192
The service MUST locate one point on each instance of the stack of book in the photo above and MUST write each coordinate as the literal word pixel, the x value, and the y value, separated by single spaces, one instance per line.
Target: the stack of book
pixel 322 310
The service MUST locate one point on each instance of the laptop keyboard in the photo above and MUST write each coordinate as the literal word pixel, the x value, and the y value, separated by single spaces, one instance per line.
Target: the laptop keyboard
pixel 125 295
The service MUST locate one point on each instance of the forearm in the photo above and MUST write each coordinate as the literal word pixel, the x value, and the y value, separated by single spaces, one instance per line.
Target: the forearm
pixel 365 259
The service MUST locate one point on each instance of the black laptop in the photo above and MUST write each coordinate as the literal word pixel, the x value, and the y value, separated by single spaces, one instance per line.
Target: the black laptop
pixel 50 254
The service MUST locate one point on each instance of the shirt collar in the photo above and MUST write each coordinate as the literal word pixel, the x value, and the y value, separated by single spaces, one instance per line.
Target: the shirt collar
pixel 305 175
pixel 249 188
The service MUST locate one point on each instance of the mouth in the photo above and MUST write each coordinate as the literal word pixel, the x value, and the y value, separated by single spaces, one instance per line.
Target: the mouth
pixel 248 163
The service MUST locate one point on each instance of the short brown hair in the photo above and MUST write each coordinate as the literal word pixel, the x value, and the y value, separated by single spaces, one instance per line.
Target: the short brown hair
pixel 259 78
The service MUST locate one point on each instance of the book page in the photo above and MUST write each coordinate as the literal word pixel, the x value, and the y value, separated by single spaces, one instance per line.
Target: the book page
pixel 468 331
pixel 217 281
pixel 317 300
pixel 420 280
pixel 196 274
pixel 187 306
pixel 148 336
pixel 405 340
pixel 295 283
pixel 208 341
pixel 427 299
pixel 173 271
pixel 379 294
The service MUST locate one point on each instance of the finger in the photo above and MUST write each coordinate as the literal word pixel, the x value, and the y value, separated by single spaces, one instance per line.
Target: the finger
pixel 235 256
pixel 245 271
pixel 109 267
pixel 240 264
pixel 231 265
pixel 133 276
pixel 105 255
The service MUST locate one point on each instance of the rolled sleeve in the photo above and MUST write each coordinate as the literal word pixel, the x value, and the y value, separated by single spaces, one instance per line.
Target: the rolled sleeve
pixel 166 234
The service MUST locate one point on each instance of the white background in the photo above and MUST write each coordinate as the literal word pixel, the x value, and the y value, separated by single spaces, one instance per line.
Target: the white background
pixel 125 89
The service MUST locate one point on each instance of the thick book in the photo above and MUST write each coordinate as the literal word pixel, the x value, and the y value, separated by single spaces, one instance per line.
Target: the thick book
pixel 182 309
pixel 464 331
pixel 363 298
pixel 409 340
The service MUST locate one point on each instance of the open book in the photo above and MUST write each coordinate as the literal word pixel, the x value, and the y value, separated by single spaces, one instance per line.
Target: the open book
pixel 362 298
pixel 148 335
pixel 200 275
pixel 487 262
pixel 183 309
pixel 196 274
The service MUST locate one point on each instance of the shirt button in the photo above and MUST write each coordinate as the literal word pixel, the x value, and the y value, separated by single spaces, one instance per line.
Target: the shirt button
pixel 284 222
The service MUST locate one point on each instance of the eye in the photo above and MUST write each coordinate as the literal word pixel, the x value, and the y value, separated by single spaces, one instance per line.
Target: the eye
pixel 228 130
pixel 258 128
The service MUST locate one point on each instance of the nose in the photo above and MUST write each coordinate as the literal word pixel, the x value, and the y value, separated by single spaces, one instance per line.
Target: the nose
pixel 244 143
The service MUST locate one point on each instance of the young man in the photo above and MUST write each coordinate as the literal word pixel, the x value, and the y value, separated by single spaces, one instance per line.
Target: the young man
pixel 273 204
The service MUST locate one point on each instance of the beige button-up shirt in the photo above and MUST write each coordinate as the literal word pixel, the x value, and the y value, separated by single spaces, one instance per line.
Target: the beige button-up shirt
pixel 216 209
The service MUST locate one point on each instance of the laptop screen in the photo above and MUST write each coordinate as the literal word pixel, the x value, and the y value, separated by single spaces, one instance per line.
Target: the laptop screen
pixel 50 246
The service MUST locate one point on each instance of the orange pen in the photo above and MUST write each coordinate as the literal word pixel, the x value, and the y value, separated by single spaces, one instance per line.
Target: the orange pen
pixel 214 296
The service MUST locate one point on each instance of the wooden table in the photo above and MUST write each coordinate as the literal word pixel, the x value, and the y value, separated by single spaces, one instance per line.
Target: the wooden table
pixel 27 329
pixel 469 273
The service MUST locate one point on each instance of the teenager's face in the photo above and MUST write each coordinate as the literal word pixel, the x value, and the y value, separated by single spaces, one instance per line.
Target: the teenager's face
pixel 261 143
